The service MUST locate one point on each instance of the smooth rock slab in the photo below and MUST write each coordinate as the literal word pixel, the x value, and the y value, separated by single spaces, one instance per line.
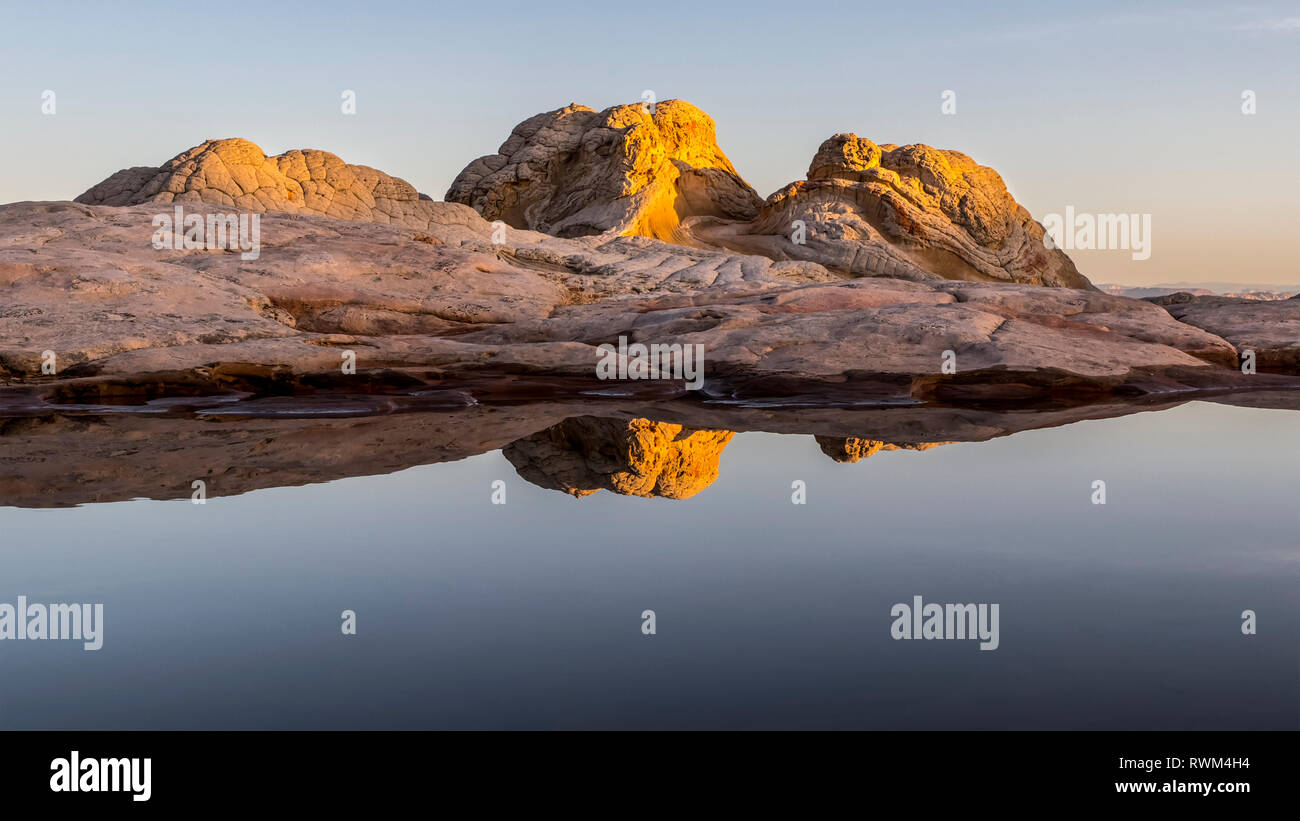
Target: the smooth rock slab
pixel 1270 328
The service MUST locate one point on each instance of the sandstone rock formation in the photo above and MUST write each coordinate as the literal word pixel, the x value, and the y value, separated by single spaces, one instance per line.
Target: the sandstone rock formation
pixel 435 298
pixel 235 173
pixel 911 212
pixel 639 458
pixel 630 169
pixel 108 345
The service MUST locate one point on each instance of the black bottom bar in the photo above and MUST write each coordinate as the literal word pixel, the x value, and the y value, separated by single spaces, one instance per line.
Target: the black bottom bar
pixel 332 770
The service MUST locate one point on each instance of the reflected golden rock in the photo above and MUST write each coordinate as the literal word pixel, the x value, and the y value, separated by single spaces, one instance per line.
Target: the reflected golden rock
pixel 582 455
pixel 854 449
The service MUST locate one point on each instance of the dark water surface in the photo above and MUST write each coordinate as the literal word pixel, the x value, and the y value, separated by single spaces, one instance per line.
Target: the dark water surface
pixel 768 614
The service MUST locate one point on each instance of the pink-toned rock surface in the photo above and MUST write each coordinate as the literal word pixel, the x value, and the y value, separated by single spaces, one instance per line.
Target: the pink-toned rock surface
pixel 86 284
pixel 1270 328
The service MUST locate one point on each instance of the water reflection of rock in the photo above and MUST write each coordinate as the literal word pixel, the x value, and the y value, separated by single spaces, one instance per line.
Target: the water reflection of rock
pixel 108 454
pixel 854 449
pixel 638 458
pixel 641 457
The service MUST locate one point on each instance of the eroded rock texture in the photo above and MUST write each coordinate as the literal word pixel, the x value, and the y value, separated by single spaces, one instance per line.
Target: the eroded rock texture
pixel 235 173
pixel 911 212
pixel 629 169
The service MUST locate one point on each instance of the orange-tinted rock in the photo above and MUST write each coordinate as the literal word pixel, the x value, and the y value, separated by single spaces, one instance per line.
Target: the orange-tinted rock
pixel 585 454
pixel 629 169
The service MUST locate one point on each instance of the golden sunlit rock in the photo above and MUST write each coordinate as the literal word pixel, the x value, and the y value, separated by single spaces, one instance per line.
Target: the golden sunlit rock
pixel 639 458
pixel 630 169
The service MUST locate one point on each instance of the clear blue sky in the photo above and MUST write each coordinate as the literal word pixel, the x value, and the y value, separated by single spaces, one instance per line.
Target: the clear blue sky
pixel 1108 107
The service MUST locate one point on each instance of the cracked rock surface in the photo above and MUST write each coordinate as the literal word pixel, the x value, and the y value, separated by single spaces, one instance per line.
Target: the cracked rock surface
pixel 235 173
